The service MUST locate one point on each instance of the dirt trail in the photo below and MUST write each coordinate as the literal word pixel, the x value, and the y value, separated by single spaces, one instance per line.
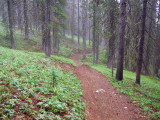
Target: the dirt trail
pixel 105 103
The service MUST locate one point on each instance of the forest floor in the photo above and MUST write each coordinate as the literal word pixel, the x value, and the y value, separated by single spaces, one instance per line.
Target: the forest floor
pixel 104 101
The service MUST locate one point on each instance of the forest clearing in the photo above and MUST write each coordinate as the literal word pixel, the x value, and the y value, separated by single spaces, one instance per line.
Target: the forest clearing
pixel 79 60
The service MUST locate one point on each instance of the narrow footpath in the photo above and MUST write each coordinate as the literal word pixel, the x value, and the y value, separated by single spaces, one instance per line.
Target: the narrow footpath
pixel 104 102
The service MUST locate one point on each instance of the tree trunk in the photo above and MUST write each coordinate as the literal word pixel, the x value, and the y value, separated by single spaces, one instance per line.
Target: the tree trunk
pixel 97 33
pixel 157 48
pixel 89 33
pixel 126 55
pixel 9 2
pixel 94 32
pixel 84 24
pixel 64 34
pixel 19 19
pixel 48 31
pixel 43 25
pixel 112 32
pixel 151 27
pixel 26 20
pixel 127 41
pixel 64 21
pixel 122 18
pixel 97 50
pixel 58 47
pixel 72 23
pixel 54 39
pixel 141 44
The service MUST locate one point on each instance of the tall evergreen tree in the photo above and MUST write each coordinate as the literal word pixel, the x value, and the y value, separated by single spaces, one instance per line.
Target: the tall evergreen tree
pixel 112 31
pixel 84 24
pixel 10 16
pixel 78 25
pixel 122 19
pixel 26 19
pixel 47 28
pixel 141 43
pixel 73 20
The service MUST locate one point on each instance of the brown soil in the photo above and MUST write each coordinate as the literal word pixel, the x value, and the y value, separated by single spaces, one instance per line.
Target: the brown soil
pixel 107 103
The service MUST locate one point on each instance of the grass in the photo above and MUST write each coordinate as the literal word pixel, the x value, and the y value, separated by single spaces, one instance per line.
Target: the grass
pixel 146 95
pixel 32 88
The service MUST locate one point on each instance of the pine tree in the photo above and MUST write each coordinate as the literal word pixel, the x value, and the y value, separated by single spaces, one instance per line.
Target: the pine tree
pixel 122 17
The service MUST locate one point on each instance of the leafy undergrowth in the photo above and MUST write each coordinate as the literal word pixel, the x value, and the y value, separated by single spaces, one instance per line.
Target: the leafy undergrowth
pixel 33 44
pixel 32 88
pixel 146 95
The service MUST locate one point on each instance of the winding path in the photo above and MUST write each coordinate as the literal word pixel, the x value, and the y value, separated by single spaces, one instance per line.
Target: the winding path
pixel 105 103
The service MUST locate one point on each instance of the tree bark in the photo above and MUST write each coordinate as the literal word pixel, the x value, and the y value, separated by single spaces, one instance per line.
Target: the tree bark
pixel 64 21
pixel 122 19
pixel 26 20
pixel 112 32
pixel 19 19
pixel 72 23
pixel 64 34
pixel 84 24
pixel 54 39
pixel 89 33
pixel 151 27
pixel 97 33
pixel 157 48
pixel 48 29
pixel 94 32
pixel 9 3
pixel 97 50
pixel 141 44
pixel 43 25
